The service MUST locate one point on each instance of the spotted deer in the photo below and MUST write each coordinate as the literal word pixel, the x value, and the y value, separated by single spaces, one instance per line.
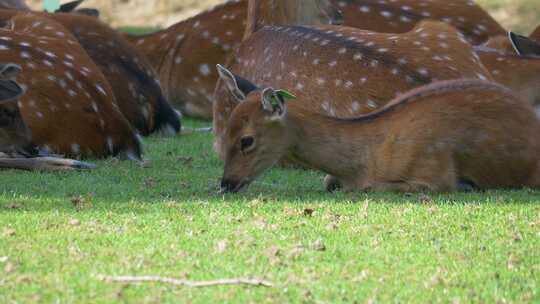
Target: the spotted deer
pixel 69 106
pixel 185 53
pixel 15 137
pixel 444 136
pixel 340 71
pixel 133 81
pixel 400 16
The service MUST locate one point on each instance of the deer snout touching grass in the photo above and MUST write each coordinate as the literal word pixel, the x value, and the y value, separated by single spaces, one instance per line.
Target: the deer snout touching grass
pixel 446 136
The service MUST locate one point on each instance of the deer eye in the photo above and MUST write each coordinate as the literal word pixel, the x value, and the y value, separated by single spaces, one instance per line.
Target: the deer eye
pixel 246 143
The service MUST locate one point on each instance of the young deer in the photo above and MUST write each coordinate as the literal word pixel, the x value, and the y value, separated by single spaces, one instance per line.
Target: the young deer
pixel 341 71
pixel 133 81
pixel 69 105
pixel 400 16
pixel 445 136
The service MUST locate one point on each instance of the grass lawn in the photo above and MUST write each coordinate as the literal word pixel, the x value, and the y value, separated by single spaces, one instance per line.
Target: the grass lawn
pixel 60 232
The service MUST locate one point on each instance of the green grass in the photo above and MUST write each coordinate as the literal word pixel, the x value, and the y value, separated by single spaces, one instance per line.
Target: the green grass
pixel 167 219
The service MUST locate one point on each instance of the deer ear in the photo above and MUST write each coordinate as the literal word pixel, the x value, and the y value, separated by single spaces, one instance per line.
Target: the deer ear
pixel 237 86
pixel 524 46
pixel 274 101
pixel 9 91
pixel 10 70
pixel 68 7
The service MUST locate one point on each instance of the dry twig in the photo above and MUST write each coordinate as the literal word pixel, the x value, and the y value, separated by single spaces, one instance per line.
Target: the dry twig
pixel 187 283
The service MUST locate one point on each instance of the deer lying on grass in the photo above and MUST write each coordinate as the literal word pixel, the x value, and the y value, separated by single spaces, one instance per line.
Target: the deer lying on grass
pixel 184 54
pixel 15 137
pixel 133 81
pixel 69 106
pixel 400 16
pixel 341 71
pixel 445 136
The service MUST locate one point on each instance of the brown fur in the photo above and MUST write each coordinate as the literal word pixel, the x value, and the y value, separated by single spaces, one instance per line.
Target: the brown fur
pixel 430 139
pixel 402 15
pixel 299 12
pixel 519 73
pixel 344 72
pixel 69 106
pixel 131 76
pixel 181 54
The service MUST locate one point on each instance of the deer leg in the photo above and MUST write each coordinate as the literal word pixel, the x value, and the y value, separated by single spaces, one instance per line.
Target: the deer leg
pixel 44 164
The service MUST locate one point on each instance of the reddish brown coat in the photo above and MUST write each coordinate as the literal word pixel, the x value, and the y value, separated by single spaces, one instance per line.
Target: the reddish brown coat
pixel 69 106
pixel 344 72
pixel 402 15
pixel 185 55
pixel 438 137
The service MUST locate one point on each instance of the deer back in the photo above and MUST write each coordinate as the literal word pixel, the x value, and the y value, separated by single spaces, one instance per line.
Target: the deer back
pixel 131 76
pixel 185 54
pixel 402 15
pixel 69 105
pixel 344 72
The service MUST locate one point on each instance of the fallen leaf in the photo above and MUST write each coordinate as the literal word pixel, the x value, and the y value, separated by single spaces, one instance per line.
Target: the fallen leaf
pixel 9 232
pixel 308 212
pixel 318 245
pixel 273 251
pixel 9 268
pixel 221 246
pixel 74 222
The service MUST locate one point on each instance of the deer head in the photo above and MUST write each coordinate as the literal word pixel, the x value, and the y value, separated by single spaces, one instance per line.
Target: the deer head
pixel 257 135
pixel 14 134
pixel 288 12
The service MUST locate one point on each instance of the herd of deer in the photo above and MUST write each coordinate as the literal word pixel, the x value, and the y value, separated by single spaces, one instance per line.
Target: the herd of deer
pixel 405 95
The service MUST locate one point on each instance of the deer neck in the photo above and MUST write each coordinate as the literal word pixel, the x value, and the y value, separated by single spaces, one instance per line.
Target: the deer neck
pixel 339 148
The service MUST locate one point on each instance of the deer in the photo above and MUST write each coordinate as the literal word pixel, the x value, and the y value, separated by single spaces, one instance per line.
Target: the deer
pixel 15 137
pixel 185 53
pixel 341 71
pixel 401 16
pixel 68 104
pixel 464 134
pixel 131 76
